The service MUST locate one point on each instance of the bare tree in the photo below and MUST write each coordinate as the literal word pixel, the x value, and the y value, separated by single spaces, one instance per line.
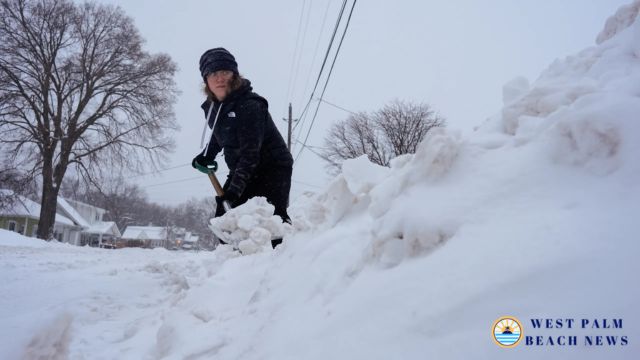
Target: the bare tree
pixel 194 215
pixel 13 182
pixel 405 124
pixel 78 92
pixel 394 130
pixel 353 137
pixel 125 203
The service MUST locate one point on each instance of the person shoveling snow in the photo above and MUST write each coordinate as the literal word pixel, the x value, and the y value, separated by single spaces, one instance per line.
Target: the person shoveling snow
pixel 259 162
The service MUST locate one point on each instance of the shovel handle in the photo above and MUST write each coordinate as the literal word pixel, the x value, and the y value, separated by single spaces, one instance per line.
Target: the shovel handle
pixel 216 184
pixel 218 188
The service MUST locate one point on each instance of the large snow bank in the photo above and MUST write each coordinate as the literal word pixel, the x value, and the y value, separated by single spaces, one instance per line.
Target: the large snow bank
pixel 532 215
pixel 622 19
pixel 584 108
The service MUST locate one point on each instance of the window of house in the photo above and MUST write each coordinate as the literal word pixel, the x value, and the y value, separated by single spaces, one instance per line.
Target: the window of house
pixel 12 225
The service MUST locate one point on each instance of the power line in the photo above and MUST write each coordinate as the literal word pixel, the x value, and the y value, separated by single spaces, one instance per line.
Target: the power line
pixel 337 106
pixel 295 51
pixel 159 170
pixel 298 123
pixel 310 148
pixel 303 115
pixel 328 77
pixel 324 62
pixel 304 38
pixel 175 181
pixel 315 52
pixel 330 104
pixel 200 177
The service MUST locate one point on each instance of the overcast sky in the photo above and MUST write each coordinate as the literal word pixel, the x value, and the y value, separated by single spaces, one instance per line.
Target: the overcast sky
pixel 453 55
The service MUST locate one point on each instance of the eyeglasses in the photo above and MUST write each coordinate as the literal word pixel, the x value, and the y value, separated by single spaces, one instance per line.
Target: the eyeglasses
pixel 221 73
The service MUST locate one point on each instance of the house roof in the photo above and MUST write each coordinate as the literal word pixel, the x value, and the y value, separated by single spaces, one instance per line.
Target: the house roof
pixel 30 208
pixel 104 227
pixel 76 204
pixel 189 237
pixel 145 233
pixel 72 213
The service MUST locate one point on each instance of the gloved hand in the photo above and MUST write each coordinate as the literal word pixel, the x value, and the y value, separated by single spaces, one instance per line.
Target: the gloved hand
pixel 229 197
pixel 204 165
pixel 219 207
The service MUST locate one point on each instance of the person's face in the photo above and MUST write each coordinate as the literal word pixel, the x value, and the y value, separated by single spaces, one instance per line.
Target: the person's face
pixel 219 83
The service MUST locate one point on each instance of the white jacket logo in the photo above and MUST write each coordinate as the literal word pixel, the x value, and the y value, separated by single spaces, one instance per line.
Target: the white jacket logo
pixel 231 114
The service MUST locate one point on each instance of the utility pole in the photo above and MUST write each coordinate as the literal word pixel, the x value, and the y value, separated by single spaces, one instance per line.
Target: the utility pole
pixel 290 120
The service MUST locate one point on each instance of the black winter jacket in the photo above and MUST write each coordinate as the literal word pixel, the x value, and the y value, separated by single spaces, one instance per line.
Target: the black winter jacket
pixel 245 131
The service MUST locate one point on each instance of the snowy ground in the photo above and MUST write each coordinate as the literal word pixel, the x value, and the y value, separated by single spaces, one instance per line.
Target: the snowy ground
pixel 533 215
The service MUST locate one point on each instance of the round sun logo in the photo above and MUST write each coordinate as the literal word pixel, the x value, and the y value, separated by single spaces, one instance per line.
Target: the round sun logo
pixel 507 331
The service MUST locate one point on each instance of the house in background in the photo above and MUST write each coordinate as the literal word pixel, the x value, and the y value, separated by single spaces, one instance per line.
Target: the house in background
pixel 23 218
pixel 95 232
pixel 149 236
pixel 76 223
pixel 168 237
pixel 190 242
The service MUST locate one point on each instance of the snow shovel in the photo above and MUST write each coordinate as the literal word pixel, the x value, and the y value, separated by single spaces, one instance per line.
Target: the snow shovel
pixel 210 170
pixel 225 237
pixel 218 188
pixel 222 235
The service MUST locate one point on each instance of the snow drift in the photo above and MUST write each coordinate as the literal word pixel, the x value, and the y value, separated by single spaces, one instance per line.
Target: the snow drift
pixel 532 215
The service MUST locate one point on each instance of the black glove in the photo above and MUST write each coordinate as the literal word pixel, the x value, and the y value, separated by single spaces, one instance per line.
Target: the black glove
pixel 219 207
pixel 204 165
pixel 229 197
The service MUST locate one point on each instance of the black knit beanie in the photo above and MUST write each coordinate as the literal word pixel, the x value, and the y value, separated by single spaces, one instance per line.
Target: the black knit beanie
pixel 217 59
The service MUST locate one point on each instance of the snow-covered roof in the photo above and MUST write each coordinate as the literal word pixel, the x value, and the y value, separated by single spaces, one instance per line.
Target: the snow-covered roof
pixel 191 238
pixel 145 233
pixel 72 213
pixel 104 227
pixel 77 204
pixel 30 208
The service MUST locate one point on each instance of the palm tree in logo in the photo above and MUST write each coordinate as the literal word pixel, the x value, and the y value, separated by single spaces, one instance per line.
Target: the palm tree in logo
pixel 507 330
